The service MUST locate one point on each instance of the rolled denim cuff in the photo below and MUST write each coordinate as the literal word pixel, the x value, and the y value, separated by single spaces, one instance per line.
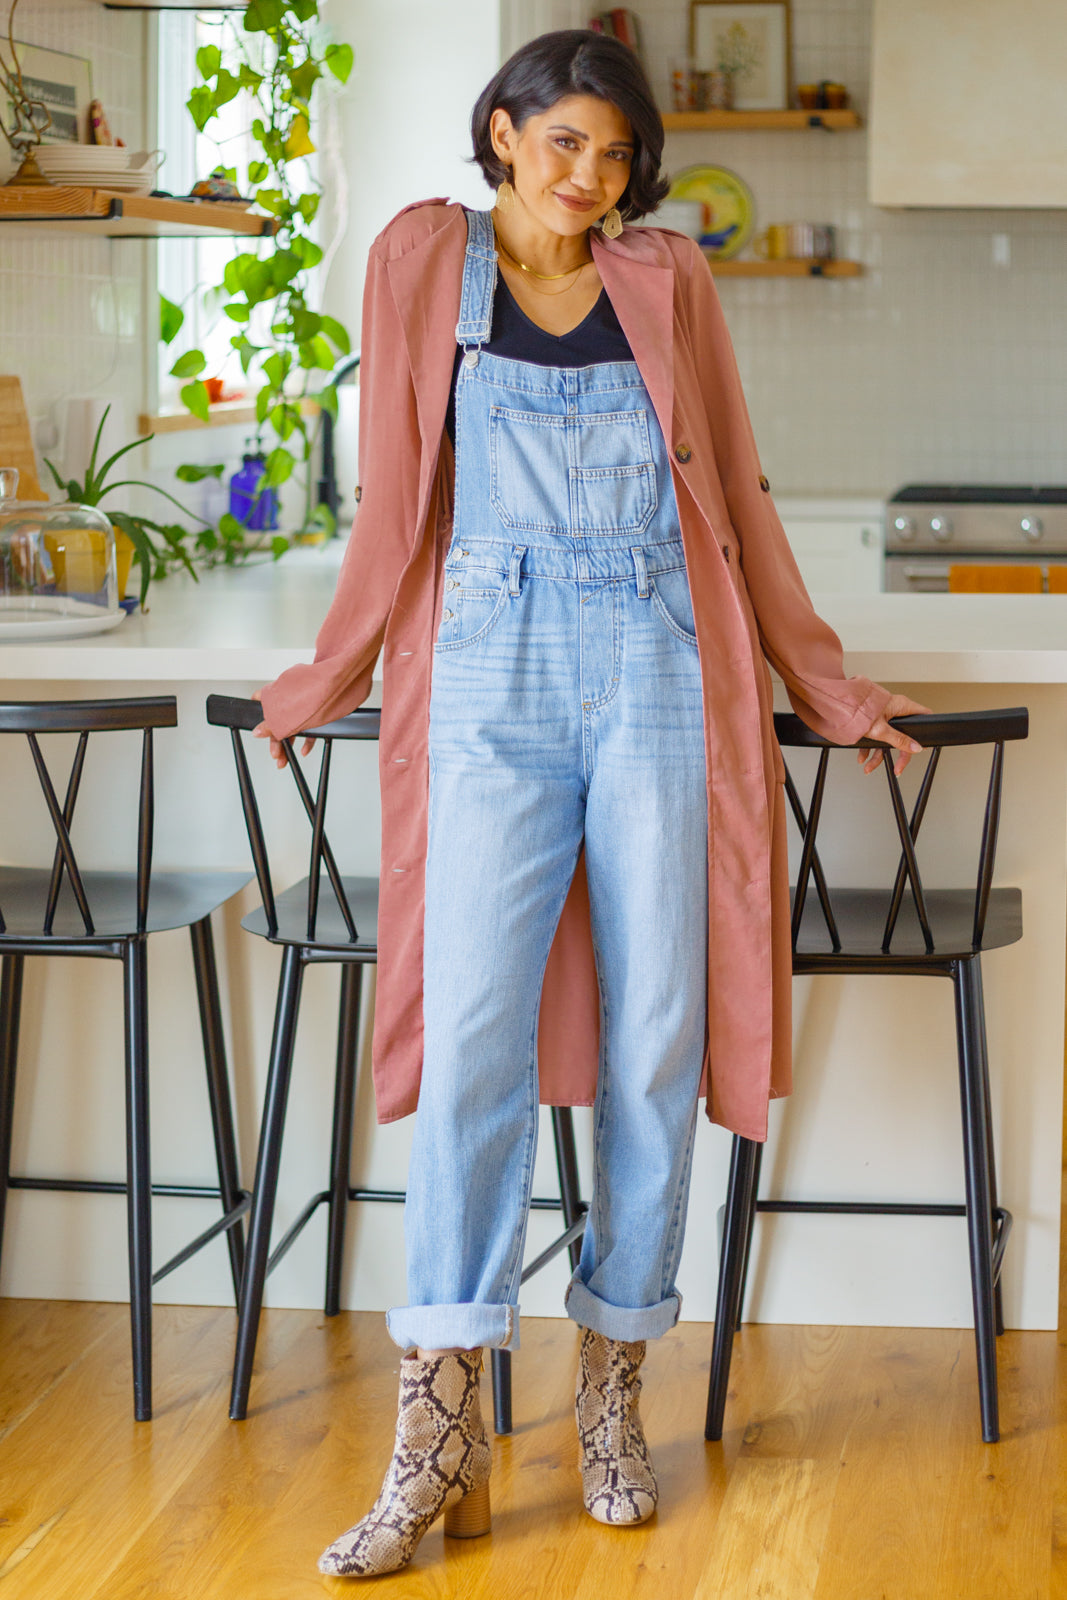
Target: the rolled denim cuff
pixel 620 1322
pixel 460 1327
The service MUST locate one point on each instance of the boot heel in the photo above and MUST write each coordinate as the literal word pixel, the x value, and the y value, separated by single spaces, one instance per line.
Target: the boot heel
pixel 470 1517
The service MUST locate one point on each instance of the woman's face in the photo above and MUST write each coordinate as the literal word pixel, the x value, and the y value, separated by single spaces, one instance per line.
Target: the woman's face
pixel 569 164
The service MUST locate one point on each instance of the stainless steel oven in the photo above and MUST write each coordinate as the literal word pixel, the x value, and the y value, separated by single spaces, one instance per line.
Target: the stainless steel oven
pixel 932 527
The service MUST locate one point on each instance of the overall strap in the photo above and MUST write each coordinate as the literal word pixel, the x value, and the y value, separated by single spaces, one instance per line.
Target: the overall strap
pixel 479 281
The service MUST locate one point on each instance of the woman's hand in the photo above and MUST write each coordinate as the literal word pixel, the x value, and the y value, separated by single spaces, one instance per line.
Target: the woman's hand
pixel 277 749
pixel 898 706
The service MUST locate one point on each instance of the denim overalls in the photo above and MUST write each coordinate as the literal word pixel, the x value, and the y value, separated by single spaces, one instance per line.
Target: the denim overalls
pixel 565 710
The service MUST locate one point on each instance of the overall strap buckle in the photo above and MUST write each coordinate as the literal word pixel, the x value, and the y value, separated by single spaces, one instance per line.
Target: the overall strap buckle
pixel 640 572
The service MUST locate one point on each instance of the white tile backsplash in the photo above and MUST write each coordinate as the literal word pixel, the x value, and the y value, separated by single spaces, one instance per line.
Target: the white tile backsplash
pixel 72 309
pixel 937 363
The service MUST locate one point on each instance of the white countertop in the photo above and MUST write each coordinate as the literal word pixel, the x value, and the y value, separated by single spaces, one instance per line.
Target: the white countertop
pixel 252 623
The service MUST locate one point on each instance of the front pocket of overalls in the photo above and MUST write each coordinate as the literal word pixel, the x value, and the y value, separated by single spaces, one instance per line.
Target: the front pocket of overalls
pixel 673 600
pixel 558 475
pixel 471 608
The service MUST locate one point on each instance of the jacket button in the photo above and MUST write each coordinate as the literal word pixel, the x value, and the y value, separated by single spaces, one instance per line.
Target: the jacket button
pixel 764 485
pixel 683 453
pixel 359 492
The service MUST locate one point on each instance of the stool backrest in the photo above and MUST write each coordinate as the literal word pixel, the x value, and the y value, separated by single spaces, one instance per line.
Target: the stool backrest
pixel 35 718
pixel 241 716
pixel 935 733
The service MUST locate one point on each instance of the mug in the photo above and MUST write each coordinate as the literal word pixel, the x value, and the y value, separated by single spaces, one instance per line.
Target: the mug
pixel 811 241
pixel 773 243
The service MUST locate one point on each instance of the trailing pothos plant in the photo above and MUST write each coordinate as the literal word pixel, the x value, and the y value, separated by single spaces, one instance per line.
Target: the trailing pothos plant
pixel 270 55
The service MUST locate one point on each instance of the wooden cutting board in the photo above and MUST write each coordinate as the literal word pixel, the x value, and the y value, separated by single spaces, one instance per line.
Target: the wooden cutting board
pixel 16 442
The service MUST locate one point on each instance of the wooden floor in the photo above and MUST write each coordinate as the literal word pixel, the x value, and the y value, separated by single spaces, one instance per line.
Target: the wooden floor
pixel 852 1467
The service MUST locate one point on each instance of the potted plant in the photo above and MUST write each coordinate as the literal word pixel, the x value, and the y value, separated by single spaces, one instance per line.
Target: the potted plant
pixel 271 55
pixel 157 547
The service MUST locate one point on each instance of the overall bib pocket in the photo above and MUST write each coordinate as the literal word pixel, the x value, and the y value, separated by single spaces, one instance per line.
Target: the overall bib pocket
pixel 536 487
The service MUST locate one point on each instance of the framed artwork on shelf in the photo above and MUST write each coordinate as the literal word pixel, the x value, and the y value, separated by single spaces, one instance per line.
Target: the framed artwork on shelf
pixel 60 82
pixel 749 42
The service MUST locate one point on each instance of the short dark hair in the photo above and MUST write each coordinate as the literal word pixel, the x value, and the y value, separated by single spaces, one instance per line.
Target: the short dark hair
pixel 576 61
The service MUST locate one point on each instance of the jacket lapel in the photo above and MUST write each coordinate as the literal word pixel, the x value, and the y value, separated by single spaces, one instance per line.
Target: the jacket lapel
pixel 427 283
pixel 642 295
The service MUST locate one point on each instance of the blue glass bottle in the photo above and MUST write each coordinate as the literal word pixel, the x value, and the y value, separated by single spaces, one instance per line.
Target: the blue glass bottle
pixel 256 514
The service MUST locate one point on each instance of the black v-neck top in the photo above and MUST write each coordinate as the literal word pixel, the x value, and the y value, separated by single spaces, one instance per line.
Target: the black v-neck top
pixel 597 338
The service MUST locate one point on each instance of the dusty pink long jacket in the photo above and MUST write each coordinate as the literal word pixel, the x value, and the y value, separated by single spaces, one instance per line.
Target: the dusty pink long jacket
pixel 750 605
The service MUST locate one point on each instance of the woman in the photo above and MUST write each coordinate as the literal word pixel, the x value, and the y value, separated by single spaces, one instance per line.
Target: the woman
pixel 567 555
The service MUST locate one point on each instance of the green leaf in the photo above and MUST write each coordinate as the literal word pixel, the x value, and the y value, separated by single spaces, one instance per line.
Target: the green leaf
pixel 304 77
pixel 263 404
pixel 208 60
pixel 338 57
pixel 60 485
pixel 280 464
pixel 189 365
pixel 257 171
pixel 250 78
pixel 144 551
pixel 262 15
pixel 193 473
pixel 230 528
pixel 201 103
pixel 304 10
pixel 171 318
pixel 276 367
pixel 308 205
pixel 194 398
pixel 304 324
pixel 337 333
pixel 307 250
pixel 271 200
pixel 96 484
pixel 327 399
pixel 237 311
pixel 323 355
pixel 227 87
pixel 278 546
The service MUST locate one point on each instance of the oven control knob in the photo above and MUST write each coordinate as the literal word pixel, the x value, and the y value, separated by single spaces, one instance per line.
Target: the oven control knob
pixel 941 528
pixel 1033 528
pixel 905 529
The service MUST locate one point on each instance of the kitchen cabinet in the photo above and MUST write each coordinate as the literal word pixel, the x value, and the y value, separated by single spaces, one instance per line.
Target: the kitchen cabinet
pixel 967 104
pixel 837 552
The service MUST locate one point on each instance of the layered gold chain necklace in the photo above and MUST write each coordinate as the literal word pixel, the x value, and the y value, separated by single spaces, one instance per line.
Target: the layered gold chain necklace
pixel 544 277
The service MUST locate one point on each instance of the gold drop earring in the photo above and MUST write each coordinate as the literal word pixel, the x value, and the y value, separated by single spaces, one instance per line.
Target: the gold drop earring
pixel 612 224
pixel 505 196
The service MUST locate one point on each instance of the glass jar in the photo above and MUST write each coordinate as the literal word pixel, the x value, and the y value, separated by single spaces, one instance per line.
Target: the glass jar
pixel 57 566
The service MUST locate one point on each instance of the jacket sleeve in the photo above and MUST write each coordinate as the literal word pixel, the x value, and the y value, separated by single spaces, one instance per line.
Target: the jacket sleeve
pixel 383 535
pixel 802 649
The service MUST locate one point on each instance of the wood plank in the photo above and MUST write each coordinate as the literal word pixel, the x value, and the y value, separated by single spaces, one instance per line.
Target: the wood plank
pixel 759 121
pixel 852 1468
pixel 93 210
pixel 16 440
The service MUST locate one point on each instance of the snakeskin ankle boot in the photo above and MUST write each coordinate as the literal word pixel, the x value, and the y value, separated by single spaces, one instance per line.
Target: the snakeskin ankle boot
pixel 440 1462
pixel 618 1483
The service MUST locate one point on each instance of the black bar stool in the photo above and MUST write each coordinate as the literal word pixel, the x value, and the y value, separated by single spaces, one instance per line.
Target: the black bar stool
pixel 328 917
pixel 942 933
pixel 64 910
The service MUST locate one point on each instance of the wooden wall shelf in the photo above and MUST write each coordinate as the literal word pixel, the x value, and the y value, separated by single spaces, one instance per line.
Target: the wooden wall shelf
pixel 759 121
pixel 223 414
pixel 785 269
pixel 124 216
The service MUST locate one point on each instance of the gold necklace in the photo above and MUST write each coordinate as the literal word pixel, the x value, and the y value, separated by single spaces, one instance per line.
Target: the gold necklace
pixel 545 277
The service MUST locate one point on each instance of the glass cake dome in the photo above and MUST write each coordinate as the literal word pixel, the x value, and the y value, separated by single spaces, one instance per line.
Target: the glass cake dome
pixel 57 567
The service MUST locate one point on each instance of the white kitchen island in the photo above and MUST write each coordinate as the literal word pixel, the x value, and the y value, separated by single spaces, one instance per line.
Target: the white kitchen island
pixel 875 1113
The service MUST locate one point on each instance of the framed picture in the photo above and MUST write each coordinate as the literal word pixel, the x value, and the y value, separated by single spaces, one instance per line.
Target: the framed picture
pixel 64 83
pixel 748 40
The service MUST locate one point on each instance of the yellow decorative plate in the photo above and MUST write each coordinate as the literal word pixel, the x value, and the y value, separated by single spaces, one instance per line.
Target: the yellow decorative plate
pixel 729 209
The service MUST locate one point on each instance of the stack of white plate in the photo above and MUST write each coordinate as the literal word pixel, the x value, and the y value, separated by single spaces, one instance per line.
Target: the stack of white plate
pixel 92 166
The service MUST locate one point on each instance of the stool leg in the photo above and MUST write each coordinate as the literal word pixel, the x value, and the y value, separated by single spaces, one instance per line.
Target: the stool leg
pixel 218 1089
pixel 567 1166
pixel 998 1303
pixel 500 1366
pixel 733 1262
pixel 138 1171
pixel 10 1010
pixel 341 1138
pixel 266 1181
pixel 971 1047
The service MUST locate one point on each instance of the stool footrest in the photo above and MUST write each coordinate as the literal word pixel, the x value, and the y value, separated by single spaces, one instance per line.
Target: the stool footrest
pixel 557 1246
pixel 223 1225
pixel 1002 1218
